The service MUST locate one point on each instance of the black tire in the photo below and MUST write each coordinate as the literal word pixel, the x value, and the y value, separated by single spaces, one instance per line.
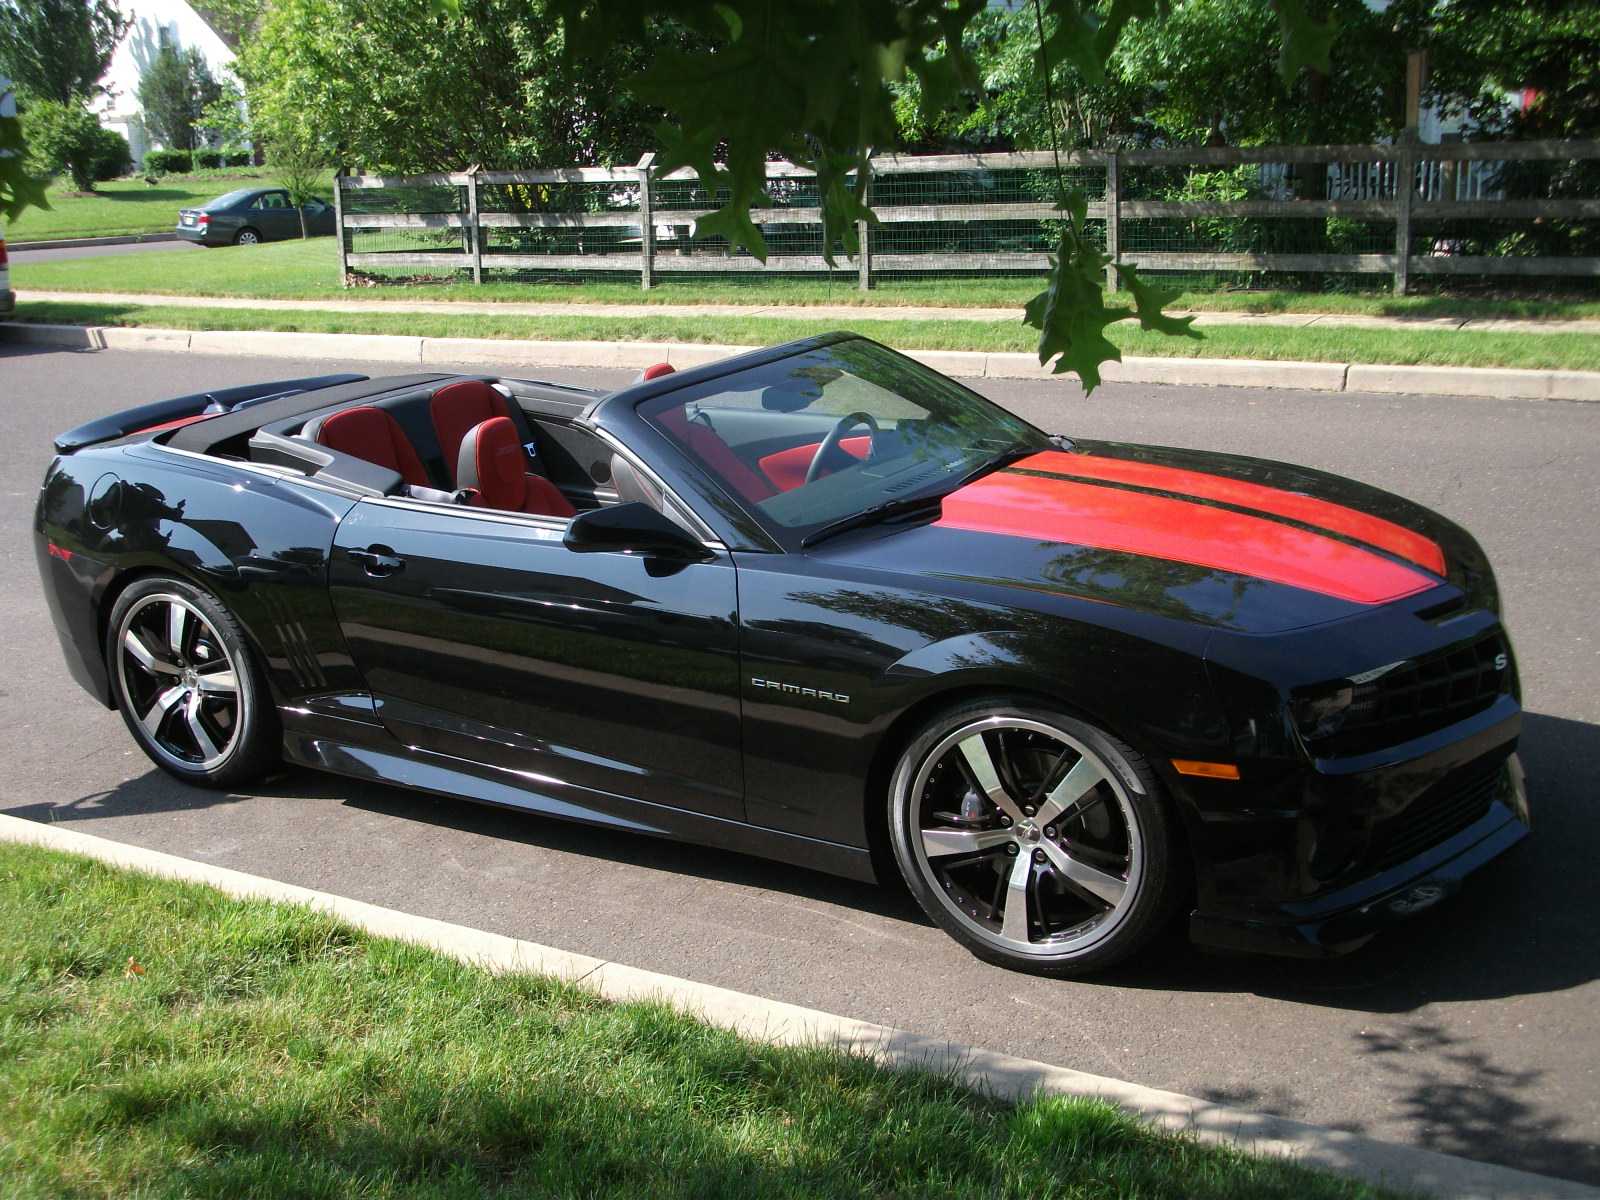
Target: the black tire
pixel 968 850
pixel 170 682
pixel 247 237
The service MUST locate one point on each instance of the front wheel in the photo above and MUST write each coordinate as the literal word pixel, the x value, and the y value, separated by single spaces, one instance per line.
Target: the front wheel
pixel 1036 840
pixel 187 685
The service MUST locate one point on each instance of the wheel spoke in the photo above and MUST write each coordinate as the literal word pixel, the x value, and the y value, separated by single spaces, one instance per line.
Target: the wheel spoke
pixel 939 843
pixel 165 703
pixel 986 774
pixel 1014 924
pixel 191 713
pixel 177 627
pixel 218 683
pixel 1104 886
pixel 1079 782
pixel 146 657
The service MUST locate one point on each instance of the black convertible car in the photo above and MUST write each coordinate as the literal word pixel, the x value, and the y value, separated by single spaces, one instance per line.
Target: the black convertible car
pixel 822 604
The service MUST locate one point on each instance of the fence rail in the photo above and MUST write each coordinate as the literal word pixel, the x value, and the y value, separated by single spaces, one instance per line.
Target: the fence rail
pixel 1399 210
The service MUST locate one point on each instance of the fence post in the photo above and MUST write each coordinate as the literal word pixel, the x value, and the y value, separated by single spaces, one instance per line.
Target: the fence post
pixel 1405 186
pixel 864 241
pixel 647 223
pixel 338 225
pixel 474 230
pixel 1113 218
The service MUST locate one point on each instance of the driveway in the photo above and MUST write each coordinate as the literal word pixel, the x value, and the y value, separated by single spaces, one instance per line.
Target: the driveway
pixel 1471 1031
pixel 23 254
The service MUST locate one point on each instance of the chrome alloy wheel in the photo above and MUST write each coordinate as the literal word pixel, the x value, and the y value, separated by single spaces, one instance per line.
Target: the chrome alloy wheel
pixel 180 681
pixel 1027 836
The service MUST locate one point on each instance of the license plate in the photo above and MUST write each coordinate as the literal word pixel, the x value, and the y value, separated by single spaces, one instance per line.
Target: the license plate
pixel 188 220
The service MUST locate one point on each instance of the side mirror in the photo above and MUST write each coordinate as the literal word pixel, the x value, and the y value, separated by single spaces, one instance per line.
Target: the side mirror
pixel 635 528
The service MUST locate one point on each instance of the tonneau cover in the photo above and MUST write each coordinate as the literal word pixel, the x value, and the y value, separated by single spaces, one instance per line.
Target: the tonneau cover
pixel 203 435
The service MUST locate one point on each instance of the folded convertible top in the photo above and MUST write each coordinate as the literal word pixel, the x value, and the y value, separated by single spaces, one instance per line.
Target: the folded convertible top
pixel 202 436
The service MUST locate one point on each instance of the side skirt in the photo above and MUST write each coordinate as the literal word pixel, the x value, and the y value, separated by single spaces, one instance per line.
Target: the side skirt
pixel 368 752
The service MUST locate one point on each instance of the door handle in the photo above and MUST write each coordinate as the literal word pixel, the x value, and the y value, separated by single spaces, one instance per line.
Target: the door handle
pixel 378 560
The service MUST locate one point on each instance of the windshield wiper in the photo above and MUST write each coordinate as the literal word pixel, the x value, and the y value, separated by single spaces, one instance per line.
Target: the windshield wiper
pixel 876 513
pixel 872 515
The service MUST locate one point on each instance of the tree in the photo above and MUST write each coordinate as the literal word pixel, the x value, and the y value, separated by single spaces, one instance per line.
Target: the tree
pixel 58 49
pixel 299 166
pixel 394 85
pixel 67 137
pixel 174 92
pixel 812 81
pixel 223 121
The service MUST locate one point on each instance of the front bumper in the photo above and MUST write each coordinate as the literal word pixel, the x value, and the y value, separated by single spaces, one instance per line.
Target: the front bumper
pixel 1452 803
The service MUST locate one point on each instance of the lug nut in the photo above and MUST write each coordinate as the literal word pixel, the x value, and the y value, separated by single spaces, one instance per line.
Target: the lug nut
pixel 1027 810
pixel 1011 849
pixel 1038 856
pixel 1005 821
pixel 1050 831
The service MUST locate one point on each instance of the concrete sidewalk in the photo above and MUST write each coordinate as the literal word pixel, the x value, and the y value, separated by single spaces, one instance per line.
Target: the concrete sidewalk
pixel 815 312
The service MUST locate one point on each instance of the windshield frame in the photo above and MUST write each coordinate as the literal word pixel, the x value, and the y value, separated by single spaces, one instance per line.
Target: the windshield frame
pixel 743 524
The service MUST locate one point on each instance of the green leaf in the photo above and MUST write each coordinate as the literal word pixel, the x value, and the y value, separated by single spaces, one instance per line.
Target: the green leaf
pixel 1307 42
pixel 1075 38
pixel 1148 301
pixel 1071 314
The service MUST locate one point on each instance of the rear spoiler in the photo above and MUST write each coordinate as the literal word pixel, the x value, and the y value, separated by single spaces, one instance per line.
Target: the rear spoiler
pixel 184 408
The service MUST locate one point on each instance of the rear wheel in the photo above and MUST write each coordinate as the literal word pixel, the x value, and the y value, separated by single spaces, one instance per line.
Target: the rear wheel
pixel 187 686
pixel 1036 840
pixel 246 237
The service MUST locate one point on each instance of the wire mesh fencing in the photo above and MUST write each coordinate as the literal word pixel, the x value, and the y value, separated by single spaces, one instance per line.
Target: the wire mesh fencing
pixel 1310 216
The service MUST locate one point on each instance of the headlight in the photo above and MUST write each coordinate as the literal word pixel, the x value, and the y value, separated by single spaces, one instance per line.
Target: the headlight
pixel 1321 712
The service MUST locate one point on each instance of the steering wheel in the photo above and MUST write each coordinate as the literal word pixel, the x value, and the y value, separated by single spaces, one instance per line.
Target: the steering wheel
pixel 831 445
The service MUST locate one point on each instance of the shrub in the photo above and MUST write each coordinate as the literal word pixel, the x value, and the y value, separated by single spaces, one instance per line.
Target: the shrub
pixel 113 158
pixel 237 156
pixel 169 162
pixel 64 137
pixel 208 158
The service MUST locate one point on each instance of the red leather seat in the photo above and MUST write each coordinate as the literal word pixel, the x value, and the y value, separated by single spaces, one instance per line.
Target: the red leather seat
pixel 459 407
pixel 491 462
pixel 371 434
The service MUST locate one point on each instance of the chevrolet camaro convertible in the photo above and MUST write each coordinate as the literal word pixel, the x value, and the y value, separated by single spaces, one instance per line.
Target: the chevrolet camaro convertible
pixel 822 604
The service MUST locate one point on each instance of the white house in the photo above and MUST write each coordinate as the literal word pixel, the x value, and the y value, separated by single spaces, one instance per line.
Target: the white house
pixel 153 23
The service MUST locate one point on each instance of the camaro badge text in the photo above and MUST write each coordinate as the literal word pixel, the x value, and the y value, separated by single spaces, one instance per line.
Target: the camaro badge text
pixel 805 693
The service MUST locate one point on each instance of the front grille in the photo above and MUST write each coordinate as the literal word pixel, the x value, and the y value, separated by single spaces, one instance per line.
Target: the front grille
pixel 1418 697
pixel 1434 817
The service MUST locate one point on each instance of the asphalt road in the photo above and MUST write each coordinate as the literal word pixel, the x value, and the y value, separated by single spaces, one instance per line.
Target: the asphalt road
pixel 24 255
pixel 1471 1031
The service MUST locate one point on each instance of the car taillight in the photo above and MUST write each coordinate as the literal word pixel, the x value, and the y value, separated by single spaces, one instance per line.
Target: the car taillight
pixel 202 219
pixel 3 258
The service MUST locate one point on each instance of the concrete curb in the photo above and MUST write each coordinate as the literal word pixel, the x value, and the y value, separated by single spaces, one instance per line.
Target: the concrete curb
pixel 1474 382
pixel 70 243
pixel 787 1024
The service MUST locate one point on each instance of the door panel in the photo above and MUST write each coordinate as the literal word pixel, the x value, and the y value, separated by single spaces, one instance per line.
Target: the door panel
pixel 484 637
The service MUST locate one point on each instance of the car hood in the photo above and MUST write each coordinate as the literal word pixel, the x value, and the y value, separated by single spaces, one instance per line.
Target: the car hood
pixel 1221 540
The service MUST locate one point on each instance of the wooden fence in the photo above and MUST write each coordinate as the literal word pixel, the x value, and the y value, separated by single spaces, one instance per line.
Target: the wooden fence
pixel 636 221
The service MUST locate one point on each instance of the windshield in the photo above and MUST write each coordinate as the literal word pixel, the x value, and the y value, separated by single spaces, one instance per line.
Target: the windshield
pixel 822 436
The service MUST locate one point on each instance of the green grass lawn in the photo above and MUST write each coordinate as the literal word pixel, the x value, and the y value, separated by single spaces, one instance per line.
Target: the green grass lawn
pixel 266 1051
pixel 1567 351
pixel 124 206
pixel 309 270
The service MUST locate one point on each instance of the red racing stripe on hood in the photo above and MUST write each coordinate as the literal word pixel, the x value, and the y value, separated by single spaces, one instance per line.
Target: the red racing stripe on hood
pixel 1324 514
pixel 1083 514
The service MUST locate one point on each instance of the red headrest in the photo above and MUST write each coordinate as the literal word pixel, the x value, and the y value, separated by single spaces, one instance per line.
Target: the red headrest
pixel 371 434
pixel 458 407
pixel 491 461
